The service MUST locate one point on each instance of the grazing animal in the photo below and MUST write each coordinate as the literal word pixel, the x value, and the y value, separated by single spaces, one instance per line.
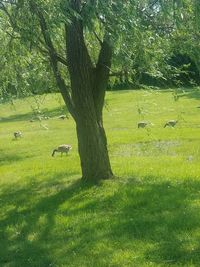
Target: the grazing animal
pixel 62 117
pixel 142 124
pixel 171 123
pixel 44 126
pixel 17 134
pixel 190 158
pixel 62 149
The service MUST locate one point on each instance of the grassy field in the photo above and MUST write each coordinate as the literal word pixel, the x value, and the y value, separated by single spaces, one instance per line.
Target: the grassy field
pixel 148 216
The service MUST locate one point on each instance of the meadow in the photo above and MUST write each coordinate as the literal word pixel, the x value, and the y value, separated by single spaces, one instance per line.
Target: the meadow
pixel 148 215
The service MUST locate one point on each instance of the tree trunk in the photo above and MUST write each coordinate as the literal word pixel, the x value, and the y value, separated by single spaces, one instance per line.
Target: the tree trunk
pixel 88 84
pixel 92 146
pixel 86 98
pixel 92 142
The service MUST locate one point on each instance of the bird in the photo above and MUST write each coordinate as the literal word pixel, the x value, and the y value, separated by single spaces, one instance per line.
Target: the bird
pixel 62 149
pixel 62 117
pixel 17 134
pixel 171 123
pixel 142 124
pixel 46 117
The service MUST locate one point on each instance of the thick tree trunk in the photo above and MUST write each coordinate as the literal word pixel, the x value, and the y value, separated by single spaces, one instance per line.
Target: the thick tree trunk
pixel 88 84
pixel 92 146
pixel 86 98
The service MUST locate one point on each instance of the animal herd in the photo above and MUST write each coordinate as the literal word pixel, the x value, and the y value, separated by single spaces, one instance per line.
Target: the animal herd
pixel 60 149
pixel 41 117
pixel 170 123
pixel 66 148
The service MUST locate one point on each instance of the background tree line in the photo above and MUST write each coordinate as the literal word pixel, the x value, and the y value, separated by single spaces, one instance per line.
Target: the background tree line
pixel 152 53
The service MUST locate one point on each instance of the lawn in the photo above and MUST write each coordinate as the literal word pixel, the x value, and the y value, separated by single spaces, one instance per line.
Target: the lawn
pixel 149 215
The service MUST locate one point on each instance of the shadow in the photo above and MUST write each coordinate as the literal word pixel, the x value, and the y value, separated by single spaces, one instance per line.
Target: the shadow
pixel 190 93
pixel 30 115
pixel 72 223
pixel 22 242
pixel 160 214
pixel 8 158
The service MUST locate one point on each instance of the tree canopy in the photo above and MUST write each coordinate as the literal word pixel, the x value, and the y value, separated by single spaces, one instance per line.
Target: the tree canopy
pixel 145 35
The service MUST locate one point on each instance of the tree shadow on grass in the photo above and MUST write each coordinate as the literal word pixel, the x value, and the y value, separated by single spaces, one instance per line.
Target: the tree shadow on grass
pixel 7 158
pixel 77 224
pixel 191 93
pixel 26 225
pixel 163 215
pixel 159 214
pixel 51 113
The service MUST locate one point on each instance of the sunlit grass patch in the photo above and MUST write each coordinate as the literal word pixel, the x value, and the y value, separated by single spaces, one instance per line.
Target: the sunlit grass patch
pixel 147 216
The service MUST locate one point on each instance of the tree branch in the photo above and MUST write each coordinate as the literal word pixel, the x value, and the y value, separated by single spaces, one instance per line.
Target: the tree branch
pixel 102 71
pixel 54 60
pixel 4 9
pixel 97 37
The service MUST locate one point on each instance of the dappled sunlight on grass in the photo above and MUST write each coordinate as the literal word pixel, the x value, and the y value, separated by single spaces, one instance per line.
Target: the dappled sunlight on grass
pixel 146 221
pixel 148 215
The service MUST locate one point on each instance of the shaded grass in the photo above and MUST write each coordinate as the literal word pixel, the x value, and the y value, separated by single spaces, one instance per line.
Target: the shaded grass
pixel 118 223
pixel 30 115
pixel 148 217
pixel 190 93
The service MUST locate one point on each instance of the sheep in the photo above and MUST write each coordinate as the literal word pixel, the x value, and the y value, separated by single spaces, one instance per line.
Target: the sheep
pixel 142 124
pixel 17 134
pixel 171 123
pixel 62 149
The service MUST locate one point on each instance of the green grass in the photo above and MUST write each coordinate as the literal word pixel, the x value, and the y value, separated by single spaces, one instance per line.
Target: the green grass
pixel 148 216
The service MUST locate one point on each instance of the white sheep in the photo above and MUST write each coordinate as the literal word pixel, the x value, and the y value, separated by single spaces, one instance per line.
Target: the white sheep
pixel 17 135
pixel 62 149
pixel 171 123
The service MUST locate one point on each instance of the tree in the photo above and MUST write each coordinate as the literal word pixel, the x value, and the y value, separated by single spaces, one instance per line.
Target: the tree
pixel 22 75
pixel 164 28
pixel 85 97
pixel 63 31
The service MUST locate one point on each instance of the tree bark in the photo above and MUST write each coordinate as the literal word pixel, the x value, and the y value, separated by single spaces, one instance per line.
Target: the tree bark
pixel 88 84
pixel 92 146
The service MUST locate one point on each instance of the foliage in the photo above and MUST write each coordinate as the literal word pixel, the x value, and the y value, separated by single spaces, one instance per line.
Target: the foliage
pixel 23 70
pixel 163 30
pixel 145 35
